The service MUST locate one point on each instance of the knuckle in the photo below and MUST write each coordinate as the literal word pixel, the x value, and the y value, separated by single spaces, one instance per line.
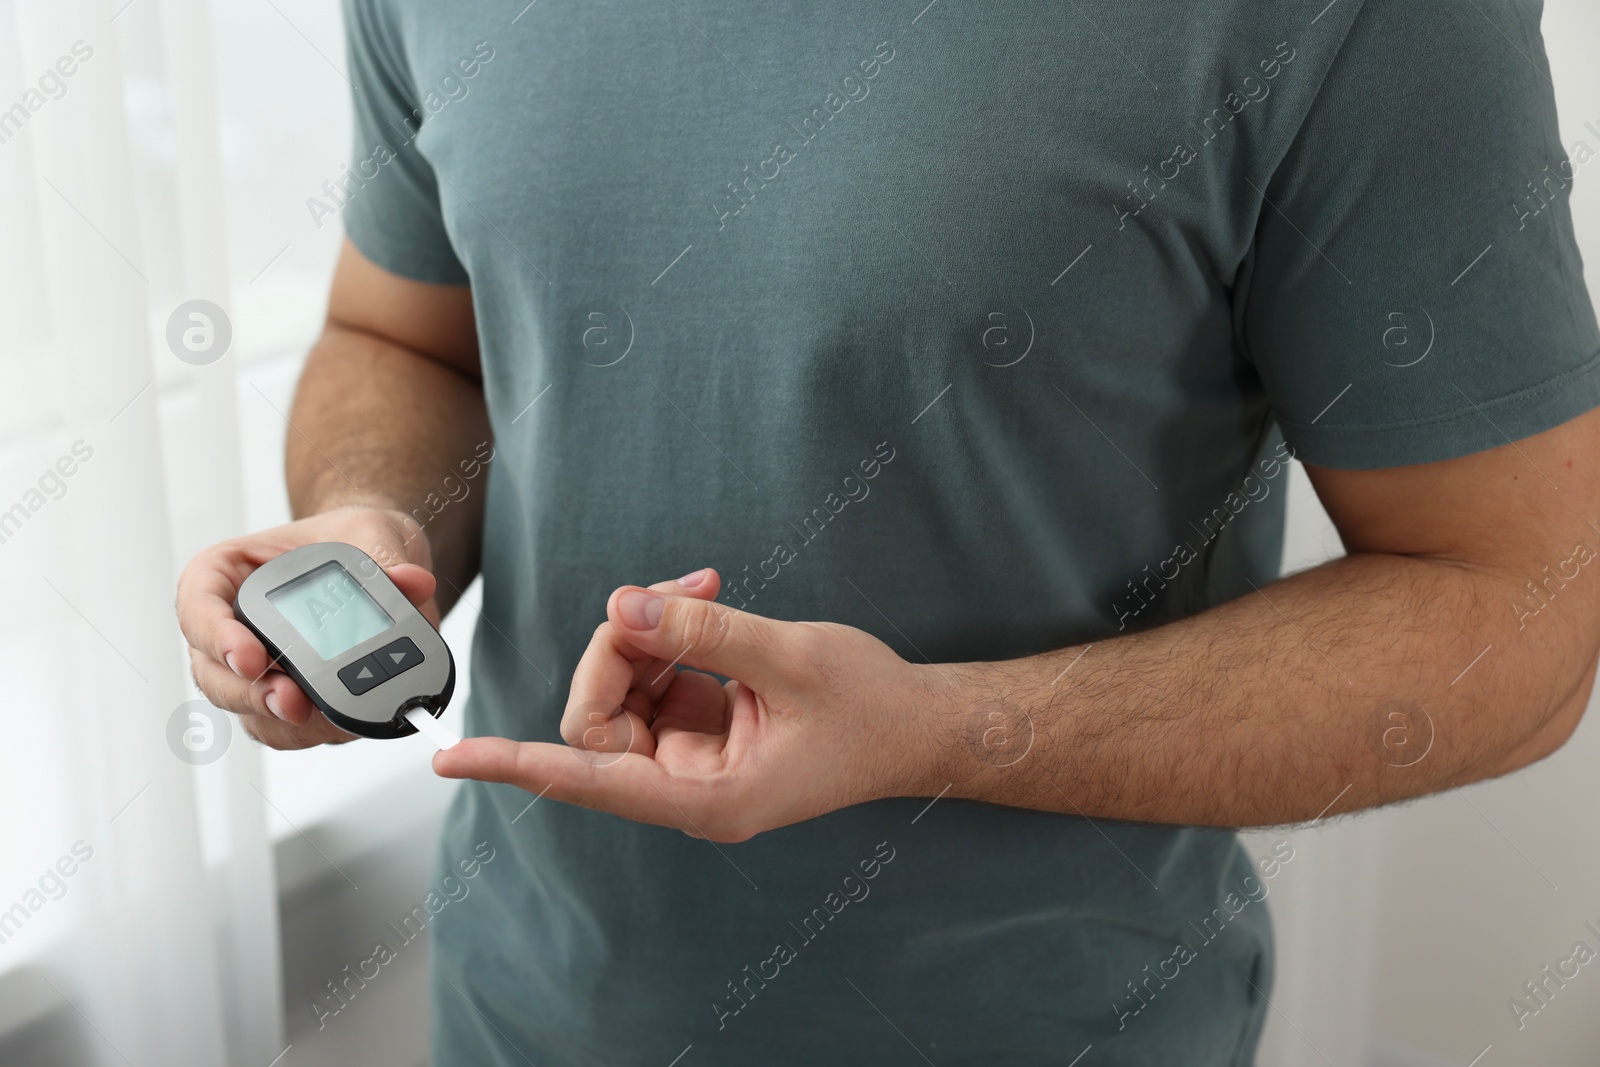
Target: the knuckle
pixel 286 737
pixel 572 731
pixel 587 726
pixel 202 669
pixel 265 733
pixel 810 647
pixel 398 536
pixel 253 703
pixel 827 653
pixel 704 627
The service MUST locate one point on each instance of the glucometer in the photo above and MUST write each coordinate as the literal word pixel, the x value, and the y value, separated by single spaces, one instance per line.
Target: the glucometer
pixel 336 624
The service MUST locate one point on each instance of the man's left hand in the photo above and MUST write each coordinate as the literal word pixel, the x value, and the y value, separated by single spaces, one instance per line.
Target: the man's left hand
pixel 815 717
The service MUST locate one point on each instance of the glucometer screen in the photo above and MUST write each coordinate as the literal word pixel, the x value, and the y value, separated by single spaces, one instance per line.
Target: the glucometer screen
pixel 330 609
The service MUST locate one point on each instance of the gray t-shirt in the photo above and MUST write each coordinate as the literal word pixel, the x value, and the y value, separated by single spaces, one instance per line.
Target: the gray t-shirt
pixel 986 329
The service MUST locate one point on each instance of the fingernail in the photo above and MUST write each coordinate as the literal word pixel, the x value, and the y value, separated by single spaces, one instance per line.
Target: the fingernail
pixel 227 657
pixel 640 610
pixel 695 577
pixel 273 705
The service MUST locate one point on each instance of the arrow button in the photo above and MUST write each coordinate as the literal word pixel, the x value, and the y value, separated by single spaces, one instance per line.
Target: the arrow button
pixel 397 657
pixel 364 674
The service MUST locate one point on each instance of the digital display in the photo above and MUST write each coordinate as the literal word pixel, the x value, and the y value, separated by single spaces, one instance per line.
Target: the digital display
pixel 330 609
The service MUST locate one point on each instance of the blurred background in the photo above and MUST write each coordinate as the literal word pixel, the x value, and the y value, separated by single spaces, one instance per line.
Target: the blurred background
pixel 171 893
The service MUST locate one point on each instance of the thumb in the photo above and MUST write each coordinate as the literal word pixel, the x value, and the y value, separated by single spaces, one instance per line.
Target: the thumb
pixel 418 585
pixel 755 650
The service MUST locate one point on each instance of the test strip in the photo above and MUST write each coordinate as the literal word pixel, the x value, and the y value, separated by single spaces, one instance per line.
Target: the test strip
pixel 431 728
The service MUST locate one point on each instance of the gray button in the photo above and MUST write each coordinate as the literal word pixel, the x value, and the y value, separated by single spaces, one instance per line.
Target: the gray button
pixel 397 657
pixel 362 675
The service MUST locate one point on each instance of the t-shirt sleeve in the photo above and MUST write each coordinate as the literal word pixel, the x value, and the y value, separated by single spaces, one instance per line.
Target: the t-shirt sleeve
pixel 392 213
pixel 1415 291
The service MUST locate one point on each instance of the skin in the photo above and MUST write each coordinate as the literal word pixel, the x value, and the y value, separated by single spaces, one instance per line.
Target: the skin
pixel 1268 709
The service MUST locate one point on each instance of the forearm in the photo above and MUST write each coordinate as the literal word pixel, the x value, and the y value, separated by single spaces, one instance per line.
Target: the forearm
pixel 1277 705
pixel 379 425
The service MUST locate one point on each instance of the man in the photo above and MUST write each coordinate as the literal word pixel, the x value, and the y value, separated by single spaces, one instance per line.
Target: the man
pixel 954 356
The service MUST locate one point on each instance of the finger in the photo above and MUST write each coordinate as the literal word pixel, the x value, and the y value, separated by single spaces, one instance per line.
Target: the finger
pixel 743 714
pixel 756 650
pixel 205 612
pixel 613 677
pixel 273 695
pixel 277 734
pixel 285 700
pixel 596 719
pixel 256 700
pixel 602 685
pixel 632 786
pixel 606 731
pixel 223 688
pixel 695 702
pixel 703 584
pixel 653 675
pixel 417 583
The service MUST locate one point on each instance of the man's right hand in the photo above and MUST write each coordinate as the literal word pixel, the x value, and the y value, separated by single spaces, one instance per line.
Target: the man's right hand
pixel 390 406
pixel 230 664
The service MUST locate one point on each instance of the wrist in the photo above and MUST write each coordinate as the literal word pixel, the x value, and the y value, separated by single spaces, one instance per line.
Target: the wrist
pixel 977 731
pixel 943 729
pixel 335 493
